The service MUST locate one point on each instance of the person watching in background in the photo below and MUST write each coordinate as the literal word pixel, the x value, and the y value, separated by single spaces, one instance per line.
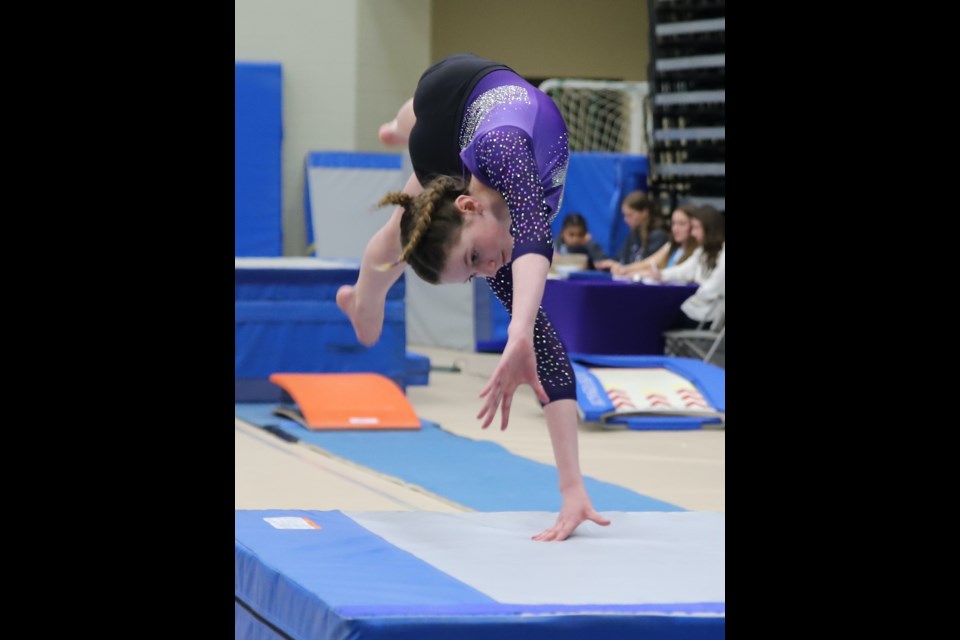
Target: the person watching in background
pixel 681 246
pixel 646 233
pixel 574 238
pixel 706 267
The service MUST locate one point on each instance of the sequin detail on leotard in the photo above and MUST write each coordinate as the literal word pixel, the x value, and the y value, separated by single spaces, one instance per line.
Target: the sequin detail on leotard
pixel 506 158
pixel 559 156
pixel 553 366
pixel 503 97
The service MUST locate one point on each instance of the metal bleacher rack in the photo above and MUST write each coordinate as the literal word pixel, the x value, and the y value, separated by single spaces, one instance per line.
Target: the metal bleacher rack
pixel 687 74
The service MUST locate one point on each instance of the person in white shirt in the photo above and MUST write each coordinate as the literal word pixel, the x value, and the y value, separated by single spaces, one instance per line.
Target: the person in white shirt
pixel 706 267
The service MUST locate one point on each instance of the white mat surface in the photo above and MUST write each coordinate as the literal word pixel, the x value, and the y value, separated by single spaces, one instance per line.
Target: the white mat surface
pixel 648 557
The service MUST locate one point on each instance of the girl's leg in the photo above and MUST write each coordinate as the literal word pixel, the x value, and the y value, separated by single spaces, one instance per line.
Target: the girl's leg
pixel 363 303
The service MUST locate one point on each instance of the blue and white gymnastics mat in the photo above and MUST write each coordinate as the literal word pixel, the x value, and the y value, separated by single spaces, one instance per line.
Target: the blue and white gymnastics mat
pixel 334 575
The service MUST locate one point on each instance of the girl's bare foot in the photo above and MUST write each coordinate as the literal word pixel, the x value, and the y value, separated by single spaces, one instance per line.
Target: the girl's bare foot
pixel 389 135
pixel 367 326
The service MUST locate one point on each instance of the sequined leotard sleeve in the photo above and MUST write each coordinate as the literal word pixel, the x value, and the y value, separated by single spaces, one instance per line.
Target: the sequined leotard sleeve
pixel 505 159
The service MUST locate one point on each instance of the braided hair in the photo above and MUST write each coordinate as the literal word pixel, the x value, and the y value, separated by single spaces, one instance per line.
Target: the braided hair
pixel 430 225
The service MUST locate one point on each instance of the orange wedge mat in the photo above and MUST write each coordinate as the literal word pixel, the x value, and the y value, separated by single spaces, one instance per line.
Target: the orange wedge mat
pixel 348 400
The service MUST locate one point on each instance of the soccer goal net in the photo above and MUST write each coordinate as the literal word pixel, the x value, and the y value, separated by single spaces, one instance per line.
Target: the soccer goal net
pixel 603 115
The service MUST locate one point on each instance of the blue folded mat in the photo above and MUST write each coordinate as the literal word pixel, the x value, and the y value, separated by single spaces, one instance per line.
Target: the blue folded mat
pixel 594 403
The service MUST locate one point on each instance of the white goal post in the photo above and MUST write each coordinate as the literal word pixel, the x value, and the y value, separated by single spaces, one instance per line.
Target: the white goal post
pixel 603 115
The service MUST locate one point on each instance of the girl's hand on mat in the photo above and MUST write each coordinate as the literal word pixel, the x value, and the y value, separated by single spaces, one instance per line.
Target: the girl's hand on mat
pixel 576 509
pixel 518 365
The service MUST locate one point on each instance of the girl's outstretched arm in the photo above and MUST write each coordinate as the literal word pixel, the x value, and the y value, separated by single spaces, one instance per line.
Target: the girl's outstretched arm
pixel 518 364
pixel 562 422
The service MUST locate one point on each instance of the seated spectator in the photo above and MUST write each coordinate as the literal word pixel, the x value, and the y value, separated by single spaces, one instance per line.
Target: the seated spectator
pixel 705 268
pixel 681 246
pixel 574 238
pixel 646 232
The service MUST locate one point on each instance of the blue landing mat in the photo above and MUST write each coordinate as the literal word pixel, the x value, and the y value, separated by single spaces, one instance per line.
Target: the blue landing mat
pixel 476 474
pixel 330 575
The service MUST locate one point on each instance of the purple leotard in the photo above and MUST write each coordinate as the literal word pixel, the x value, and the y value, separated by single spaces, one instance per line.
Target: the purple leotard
pixel 513 139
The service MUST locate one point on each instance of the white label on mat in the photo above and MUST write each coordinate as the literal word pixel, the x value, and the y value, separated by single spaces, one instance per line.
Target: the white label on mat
pixel 370 420
pixel 291 523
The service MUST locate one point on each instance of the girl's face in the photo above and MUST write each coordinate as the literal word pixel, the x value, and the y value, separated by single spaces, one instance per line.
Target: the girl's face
pixel 680 226
pixel 484 246
pixel 634 218
pixel 574 236
pixel 696 230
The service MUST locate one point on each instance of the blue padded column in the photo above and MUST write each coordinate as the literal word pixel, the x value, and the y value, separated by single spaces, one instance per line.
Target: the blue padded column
pixel 258 136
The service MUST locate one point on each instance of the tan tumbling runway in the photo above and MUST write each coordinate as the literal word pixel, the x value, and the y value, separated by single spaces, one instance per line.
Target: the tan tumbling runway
pixel 685 468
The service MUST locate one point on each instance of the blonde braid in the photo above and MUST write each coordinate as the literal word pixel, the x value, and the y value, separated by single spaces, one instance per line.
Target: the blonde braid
pixel 428 199
pixel 401 199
